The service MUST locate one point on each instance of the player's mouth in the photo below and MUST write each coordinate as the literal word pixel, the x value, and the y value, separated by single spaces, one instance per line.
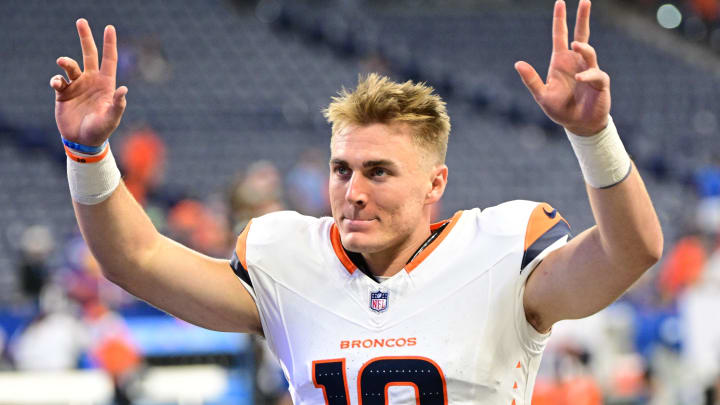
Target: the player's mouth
pixel 357 224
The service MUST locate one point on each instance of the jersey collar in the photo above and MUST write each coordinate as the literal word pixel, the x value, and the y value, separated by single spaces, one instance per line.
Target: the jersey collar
pixel 419 256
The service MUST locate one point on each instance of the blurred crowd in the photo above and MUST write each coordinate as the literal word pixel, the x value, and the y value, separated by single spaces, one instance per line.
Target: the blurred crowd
pixel 71 316
pixel 660 344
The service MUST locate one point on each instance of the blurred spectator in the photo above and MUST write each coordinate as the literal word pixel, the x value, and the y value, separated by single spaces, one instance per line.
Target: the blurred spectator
pixel 54 339
pixel 707 183
pixel 112 349
pixel 682 265
pixel 307 184
pixel 82 278
pixel 153 63
pixel 258 192
pixel 193 224
pixel 142 157
pixel 573 383
pixel 36 246
pixel 698 308
pixel 585 360
pixel 602 340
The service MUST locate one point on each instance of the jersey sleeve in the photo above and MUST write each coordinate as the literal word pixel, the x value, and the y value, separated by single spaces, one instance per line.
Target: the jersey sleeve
pixel 545 232
pixel 545 229
pixel 265 261
pixel 238 262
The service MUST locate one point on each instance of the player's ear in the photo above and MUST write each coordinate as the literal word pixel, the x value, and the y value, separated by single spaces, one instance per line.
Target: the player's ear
pixel 438 183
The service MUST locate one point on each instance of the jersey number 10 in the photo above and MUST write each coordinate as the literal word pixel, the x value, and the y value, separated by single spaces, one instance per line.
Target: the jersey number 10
pixel 377 376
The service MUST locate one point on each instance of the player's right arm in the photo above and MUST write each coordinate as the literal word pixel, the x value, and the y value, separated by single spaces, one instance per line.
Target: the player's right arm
pixel 131 252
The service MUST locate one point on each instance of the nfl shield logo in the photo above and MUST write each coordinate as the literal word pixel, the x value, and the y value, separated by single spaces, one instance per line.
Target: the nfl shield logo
pixel 378 301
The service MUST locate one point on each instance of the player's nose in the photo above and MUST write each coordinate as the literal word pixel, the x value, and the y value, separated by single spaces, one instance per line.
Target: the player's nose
pixel 356 192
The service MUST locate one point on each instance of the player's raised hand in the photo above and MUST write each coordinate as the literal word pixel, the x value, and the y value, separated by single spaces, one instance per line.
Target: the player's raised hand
pixel 88 107
pixel 576 94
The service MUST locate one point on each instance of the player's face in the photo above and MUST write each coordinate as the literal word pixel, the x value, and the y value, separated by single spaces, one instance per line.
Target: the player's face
pixel 381 187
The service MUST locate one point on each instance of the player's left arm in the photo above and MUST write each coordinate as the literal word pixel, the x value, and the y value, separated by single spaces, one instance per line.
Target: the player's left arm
pixel 601 263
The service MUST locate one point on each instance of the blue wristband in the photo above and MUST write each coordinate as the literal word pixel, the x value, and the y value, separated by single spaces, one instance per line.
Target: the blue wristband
pixel 90 150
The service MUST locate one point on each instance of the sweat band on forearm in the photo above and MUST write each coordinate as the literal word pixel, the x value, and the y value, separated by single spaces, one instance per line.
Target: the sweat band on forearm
pixel 602 157
pixel 92 180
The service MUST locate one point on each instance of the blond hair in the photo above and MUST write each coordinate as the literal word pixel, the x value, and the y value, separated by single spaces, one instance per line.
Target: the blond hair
pixel 377 99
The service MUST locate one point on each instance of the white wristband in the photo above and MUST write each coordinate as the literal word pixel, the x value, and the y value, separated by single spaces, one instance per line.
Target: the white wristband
pixel 602 157
pixel 92 183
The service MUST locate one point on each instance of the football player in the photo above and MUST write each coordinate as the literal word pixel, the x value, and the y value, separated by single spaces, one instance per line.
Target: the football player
pixel 376 304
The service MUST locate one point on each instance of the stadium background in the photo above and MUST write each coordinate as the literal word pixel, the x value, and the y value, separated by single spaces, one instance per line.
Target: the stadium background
pixel 223 123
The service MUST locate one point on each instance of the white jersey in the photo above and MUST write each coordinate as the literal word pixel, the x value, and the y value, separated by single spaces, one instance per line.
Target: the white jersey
pixel 449 328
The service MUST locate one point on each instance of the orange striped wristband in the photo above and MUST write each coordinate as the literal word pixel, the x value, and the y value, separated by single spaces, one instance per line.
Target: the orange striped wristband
pixel 86 159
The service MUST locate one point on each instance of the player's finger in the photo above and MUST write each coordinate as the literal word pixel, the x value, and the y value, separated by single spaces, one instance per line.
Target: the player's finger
pixel 90 54
pixel 559 30
pixel 58 83
pixel 587 52
pixel 530 78
pixel 595 78
pixel 71 68
pixel 119 102
pixel 582 22
pixel 109 52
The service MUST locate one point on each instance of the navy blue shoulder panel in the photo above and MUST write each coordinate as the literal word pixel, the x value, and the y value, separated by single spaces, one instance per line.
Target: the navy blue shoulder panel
pixel 239 270
pixel 560 229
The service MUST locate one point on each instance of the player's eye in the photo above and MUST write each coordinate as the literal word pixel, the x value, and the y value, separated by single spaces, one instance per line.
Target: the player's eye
pixel 341 171
pixel 379 172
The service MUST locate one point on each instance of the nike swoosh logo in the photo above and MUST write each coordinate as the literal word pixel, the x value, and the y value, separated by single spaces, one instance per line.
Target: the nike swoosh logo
pixel 550 215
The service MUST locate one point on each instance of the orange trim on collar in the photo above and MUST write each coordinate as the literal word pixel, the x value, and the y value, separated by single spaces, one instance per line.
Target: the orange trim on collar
pixel 351 267
pixel 429 249
pixel 339 250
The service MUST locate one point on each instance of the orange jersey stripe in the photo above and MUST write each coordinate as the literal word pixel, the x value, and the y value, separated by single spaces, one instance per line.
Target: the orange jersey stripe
pixel 542 219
